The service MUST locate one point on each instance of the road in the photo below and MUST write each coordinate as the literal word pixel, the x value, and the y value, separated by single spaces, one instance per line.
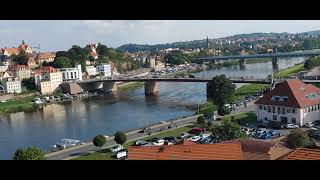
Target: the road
pixel 131 136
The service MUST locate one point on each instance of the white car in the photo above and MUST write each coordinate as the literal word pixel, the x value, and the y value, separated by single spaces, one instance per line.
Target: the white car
pixel 292 126
pixel 261 130
pixel 116 148
pixel 203 136
pixel 194 138
pixel 185 135
pixel 159 142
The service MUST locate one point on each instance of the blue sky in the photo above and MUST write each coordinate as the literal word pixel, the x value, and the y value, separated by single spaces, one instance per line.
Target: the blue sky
pixel 55 35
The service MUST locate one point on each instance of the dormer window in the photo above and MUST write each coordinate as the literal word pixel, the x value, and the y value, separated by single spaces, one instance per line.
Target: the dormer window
pixel 279 98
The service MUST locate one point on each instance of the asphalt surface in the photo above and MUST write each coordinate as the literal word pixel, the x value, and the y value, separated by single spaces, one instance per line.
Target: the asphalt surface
pixel 131 136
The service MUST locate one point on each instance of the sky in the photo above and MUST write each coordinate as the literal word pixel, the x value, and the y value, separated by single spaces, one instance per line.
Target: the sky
pixel 56 35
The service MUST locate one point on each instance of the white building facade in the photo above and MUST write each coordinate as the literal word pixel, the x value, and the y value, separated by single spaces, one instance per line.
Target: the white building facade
pixel 71 74
pixel 104 70
pixel 290 102
pixel 12 85
pixel 91 70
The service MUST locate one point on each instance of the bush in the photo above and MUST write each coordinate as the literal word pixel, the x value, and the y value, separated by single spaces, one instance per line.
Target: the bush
pixel 209 123
pixel 298 138
pixel 120 137
pixel 200 120
pixel 30 153
pixel 222 111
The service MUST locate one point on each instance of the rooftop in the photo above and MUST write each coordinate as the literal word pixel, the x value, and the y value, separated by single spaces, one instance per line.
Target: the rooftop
pixel 299 95
pixel 303 154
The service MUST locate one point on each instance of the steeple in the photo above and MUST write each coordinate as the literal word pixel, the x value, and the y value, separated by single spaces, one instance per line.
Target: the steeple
pixel 23 42
pixel 207 42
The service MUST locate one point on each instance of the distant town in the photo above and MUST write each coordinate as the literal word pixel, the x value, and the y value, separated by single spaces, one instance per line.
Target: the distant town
pixel 274 117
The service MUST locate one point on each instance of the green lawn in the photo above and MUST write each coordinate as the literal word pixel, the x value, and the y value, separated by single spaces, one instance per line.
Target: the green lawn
pixel 105 154
pixel 249 89
pixel 11 106
pixel 289 71
pixel 130 86
pixel 243 118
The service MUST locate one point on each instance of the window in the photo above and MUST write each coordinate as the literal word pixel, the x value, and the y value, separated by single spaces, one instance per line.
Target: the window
pixel 260 106
pixel 288 110
pixel 283 110
pixel 293 110
pixel 275 117
pixel 264 108
pixel 285 98
pixel 269 108
pixel 278 110
pixel 274 109
pixel 294 120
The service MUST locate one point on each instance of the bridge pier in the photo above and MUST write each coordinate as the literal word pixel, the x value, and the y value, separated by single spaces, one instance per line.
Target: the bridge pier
pixel 109 87
pixel 242 61
pixel 274 61
pixel 151 88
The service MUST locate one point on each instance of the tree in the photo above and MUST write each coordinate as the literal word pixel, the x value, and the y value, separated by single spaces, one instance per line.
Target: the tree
pixel 102 50
pixel 298 138
pixel 62 62
pixel 222 111
pixel 120 137
pixel 21 58
pixel 29 83
pixel 201 121
pixel 221 90
pixel 209 123
pixel 99 141
pixel 227 131
pixel 30 153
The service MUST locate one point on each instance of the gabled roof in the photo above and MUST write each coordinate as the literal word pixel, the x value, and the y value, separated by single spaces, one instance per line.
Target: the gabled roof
pixel 230 151
pixel 303 154
pixel 254 149
pixel 299 94
pixel 11 50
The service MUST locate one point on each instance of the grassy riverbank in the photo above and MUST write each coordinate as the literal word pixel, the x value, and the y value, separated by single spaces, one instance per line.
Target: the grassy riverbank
pixel 243 118
pixel 260 60
pixel 249 89
pixel 105 154
pixel 291 71
pixel 12 106
pixel 129 86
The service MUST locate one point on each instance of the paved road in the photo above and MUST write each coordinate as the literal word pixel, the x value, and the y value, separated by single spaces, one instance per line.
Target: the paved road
pixel 87 148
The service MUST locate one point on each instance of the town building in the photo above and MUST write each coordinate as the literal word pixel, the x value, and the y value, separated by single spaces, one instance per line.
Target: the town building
pixel 48 79
pixel 31 62
pixel 24 47
pixel 12 85
pixel 187 151
pixel 291 101
pixel 302 154
pixel 21 71
pixel 91 70
pixel 104 69
pixel 9 51
pixel 3 67
pixel 71 74
pixel 47 56
pixel 7 74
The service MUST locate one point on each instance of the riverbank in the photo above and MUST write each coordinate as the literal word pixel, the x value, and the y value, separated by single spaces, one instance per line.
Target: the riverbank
pixel 12 106
pixel 130 86
pixel 291 71
pixel 236 62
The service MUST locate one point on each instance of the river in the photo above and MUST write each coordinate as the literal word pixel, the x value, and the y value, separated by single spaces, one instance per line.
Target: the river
pixel 107 114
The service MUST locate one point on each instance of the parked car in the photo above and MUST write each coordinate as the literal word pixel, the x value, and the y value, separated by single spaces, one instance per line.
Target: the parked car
pixel 170 139
pixel 291 126
pixel 116 148
pixel 154 139
pixel 159 142
pixel 204 135
pixel 316 122
pixel 122 154
pixel 185 135
pixel 261 130
pixel 194 138
pixel 141 143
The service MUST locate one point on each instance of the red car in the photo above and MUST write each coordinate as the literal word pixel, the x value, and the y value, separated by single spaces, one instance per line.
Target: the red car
pixel 196 130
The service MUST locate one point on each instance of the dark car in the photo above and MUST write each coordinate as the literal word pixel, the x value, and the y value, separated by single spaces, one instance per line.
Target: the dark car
pixel 170 139
pixel 316 123
pixel 196 130
pixel 262 125
pixel 154 139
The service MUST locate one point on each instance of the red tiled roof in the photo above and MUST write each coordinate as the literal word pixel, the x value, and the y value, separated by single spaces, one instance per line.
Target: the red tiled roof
pixel 11 50
pixel 297 93
pixel 231 151
pixel 254 149
pixel 23 46
pixel 19 67
pixel 49 69
pixel 303 154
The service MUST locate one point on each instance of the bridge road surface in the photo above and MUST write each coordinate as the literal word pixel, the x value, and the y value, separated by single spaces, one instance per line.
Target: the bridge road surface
pixel 131 136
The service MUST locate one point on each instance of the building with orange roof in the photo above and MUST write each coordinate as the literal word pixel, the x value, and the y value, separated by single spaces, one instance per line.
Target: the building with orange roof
pixel 9 51
pixel 254 149
pixel 302 154
pixel 48 79
pixel 31 62
pixel 21 71
pixel 219 151
pixel 291 101
pixel 24 47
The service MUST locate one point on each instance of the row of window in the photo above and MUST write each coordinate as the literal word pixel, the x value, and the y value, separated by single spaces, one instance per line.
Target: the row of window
pixel 312 108
pixel 284 119
pixel 279 110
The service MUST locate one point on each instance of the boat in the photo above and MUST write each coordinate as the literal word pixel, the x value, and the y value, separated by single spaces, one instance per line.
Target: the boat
pixel 66 143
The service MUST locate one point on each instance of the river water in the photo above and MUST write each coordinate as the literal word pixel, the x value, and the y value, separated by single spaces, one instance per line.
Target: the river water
pixel 107 114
